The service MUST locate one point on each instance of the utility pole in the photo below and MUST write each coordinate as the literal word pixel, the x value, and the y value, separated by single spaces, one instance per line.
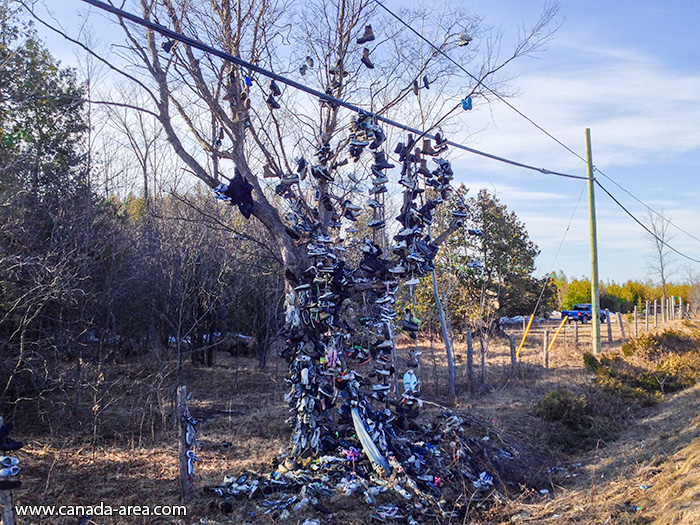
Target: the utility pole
pixel 595 292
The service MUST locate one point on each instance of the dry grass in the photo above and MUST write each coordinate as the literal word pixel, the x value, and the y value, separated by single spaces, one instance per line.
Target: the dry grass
pixel 240 404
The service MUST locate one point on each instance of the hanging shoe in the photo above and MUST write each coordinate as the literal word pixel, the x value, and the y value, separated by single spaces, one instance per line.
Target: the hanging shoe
pixel 309 61
pixel 380 161
pixel 290 179
pixel 380 179
pixel 368 35
pixel 274 88
pixel 9 472
pixel 427 148
pixel 302 70
pixel 426 84
pixel 408 182
pixel 335 69
pixel 467 103
pixel 415 87
pixel 464 39
pixel 365 59
pixel 268 173
pixel 167 46
pixel 379 139
pixel 272 102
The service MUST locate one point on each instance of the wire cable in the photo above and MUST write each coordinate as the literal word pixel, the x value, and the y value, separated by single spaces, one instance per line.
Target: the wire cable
pixel 520 113
pixel 644 226
pixel 665 219
pixel 480 82
pixel 322 96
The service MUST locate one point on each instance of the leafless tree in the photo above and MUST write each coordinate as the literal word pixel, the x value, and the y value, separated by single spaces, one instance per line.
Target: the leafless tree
pixel 661 263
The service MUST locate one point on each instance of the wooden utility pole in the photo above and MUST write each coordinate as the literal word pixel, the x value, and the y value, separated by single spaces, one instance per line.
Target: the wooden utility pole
pixel 595 291
pixel 545 349
pixel 186 473
pixel 607 317
pixel 7 508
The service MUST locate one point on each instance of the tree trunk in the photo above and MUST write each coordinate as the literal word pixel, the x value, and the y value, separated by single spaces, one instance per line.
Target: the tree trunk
pixel 470 360
pixel 483 356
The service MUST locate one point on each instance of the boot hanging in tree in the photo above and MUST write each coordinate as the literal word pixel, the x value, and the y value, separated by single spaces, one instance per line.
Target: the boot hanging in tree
pixel 368 35
pixel 427 148
pixel 365 59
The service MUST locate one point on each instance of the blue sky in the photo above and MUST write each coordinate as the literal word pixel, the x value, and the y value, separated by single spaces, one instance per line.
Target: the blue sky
pixel 629 71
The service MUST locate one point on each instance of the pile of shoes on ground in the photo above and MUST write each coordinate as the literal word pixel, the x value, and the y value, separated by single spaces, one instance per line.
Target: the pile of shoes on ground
pixel 438 472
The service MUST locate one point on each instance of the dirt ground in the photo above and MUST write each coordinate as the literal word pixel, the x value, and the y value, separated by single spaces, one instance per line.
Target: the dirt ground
pixel 647 475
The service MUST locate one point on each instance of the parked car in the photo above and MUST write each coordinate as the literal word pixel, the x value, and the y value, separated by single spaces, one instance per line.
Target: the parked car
pixel 582 312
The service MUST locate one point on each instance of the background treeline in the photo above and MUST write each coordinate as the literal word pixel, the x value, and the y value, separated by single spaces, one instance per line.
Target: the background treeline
pixel 620 297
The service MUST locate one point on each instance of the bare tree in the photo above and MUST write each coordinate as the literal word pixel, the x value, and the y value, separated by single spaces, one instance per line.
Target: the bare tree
pixel 661 263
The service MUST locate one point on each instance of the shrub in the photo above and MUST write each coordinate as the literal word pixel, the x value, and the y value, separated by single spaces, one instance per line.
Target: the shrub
pixel 579 421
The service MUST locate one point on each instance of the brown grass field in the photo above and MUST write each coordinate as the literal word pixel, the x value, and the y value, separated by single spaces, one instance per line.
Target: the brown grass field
pixel 648 472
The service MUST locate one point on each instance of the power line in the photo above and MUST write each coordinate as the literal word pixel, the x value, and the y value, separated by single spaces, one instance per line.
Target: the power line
pixel 322 96
pixel 555 139
pixel 480 82
pixel 647 206
pixel 644 226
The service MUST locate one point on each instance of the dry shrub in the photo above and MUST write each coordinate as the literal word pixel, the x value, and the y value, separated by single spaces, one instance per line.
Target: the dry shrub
pixel 580 421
